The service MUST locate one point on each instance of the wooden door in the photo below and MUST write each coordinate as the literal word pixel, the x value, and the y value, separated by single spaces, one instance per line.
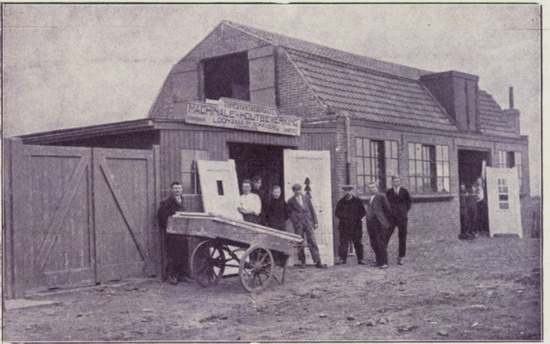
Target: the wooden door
pixel 220 191
pixel 313 167
pixel 124 213
pixel 53 239
pixel 503 201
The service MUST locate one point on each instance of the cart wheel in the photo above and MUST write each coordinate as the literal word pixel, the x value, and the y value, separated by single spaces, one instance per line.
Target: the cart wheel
pixel 208 263
pixel 256 268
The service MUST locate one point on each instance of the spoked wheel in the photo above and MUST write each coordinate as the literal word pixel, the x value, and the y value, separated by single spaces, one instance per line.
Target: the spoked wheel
pixel 256 268
pixel 208 263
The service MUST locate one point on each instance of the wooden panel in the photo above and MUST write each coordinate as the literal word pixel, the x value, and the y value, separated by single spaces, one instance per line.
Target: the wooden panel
pixel 315 166
pixel 220 191
pixel 124 208
pixel 52 212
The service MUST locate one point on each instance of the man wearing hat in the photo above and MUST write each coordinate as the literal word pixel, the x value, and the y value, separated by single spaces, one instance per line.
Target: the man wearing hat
pixel 350 211
pixel 304 221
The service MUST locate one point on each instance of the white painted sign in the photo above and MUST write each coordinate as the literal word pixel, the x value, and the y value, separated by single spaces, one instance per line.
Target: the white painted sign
pixel 242 115
pixel 503 201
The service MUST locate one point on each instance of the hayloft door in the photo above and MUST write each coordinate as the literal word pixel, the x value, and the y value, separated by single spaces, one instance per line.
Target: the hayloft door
pixel 503 201
pixel 311 169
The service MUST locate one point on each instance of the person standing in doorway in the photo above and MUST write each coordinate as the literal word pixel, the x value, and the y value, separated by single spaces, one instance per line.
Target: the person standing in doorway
pixel 261 192
pixel 378 211
pixel 304 221
pixel 250 205
pixel 480 224
pixel 173 246
pixel 400 203
pixel 349 212
pixel 276 210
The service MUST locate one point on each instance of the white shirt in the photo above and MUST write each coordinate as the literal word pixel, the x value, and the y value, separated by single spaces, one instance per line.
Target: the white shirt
pixel 396 190
pixel 251 202
pixel 300 200
pixel 371 199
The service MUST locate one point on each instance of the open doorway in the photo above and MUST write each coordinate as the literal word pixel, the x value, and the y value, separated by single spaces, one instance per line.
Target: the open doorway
pixel 263 160
pixel 470 164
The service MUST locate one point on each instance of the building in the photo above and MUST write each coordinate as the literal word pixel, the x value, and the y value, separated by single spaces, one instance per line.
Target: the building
pixel 375 118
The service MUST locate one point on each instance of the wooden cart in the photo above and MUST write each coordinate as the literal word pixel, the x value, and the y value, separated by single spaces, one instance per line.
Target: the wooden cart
pixel 223 241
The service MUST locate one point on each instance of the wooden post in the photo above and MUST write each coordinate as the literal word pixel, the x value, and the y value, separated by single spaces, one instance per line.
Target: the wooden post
pixel 158 235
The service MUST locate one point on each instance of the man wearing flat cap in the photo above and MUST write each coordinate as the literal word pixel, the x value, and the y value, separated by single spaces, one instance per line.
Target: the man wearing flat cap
pixel 304 221
pixel 349 212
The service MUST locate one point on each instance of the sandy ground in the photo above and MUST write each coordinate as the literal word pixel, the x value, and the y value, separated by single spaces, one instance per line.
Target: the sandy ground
pixel 448 289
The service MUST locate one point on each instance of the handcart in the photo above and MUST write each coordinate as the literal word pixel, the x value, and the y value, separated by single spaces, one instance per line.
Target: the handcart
pixel 223 241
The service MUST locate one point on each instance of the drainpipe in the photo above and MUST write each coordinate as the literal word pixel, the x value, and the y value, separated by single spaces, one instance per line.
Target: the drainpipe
pixel 348 149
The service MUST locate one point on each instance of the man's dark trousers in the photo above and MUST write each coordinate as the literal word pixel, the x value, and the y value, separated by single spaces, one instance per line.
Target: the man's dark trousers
pixel 378 241
pixel 401 233
pixel 345 238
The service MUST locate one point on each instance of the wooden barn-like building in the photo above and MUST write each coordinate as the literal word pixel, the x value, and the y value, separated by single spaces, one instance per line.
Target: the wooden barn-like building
pixel 252 96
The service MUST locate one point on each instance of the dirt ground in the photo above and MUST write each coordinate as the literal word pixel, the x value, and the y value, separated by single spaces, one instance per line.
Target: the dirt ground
pixel 488 289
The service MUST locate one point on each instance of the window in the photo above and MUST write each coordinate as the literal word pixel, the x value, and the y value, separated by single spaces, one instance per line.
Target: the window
pixel 376 161
pixel 189 172
pixel 428 168
pixel 503 202
pixel 226 76
pixel 509 160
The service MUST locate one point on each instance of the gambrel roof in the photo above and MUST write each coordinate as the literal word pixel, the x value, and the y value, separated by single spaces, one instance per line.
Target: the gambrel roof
pixel 372 89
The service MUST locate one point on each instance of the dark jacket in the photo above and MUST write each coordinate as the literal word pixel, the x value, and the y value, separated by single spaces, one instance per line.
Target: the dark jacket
pixel 303 217
pixel 349 213
pixel 263 199
pixel 378 211
pixel 276 213
pixel 167 208
pixel 400 204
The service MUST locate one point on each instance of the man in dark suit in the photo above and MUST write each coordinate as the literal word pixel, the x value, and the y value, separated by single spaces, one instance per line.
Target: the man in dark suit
pixel 174 247
pixel 304 221
pixel 276 210
pixel 400 203
pixel 349 212
pixel 378 211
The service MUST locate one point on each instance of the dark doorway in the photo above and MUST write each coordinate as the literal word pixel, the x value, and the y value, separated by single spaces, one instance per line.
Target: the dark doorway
pixel 470 164
pixel 263 160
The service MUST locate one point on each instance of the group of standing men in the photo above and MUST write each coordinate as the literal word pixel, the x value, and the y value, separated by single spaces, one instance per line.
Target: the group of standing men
pixel 272 211
pixel 383 213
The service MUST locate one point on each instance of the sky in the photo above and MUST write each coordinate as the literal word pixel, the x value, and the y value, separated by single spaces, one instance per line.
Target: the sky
pixel 76 65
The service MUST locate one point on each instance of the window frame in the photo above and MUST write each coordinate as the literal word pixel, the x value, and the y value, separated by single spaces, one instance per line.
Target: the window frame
pixel 429 168
pixel 382 159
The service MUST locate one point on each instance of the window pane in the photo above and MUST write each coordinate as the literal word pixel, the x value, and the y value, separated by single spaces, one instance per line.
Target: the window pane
pixel 366 147
pixel 445 153
pixel 360 184
pixel 447 184
pixel 367 168
pixel 360 168
pixel 445 170
pixel 412 184
pixel 438 153
pixel 419 168
pixel 358 147
pixel 387 148
pixel 412 169
pixel 394 149
pixel 418 151
pixel 411 151
pixel 439 169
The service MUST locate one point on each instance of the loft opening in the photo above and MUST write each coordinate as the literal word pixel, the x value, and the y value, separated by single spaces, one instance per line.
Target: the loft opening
pixel 227 76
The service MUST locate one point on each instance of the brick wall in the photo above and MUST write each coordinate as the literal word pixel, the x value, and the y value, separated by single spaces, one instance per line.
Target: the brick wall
pixel 294 97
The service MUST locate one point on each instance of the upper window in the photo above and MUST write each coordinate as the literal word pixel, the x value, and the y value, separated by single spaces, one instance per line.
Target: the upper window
pixel 376 162
pixel 510 160
pixel 428 168
pixel 226 76
pixel 189 171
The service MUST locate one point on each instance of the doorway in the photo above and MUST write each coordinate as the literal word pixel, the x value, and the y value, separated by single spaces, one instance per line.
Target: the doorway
pixel 470 165
pixel 265 161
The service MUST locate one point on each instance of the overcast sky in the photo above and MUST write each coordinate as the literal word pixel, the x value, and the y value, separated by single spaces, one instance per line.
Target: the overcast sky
pixel 76 65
